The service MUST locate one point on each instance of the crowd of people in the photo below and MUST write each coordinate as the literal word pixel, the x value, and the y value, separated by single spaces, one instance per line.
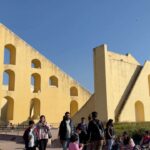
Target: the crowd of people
pixel 84 136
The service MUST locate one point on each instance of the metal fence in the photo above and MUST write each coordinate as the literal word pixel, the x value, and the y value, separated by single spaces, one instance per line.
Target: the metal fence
pixel 19 128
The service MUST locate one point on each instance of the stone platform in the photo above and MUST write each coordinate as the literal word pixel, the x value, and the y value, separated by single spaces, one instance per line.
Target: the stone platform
pixel 13 141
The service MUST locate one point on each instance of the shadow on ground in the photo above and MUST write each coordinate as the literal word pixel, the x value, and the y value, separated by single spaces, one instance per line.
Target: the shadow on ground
pixel 55 143
pixel 15 138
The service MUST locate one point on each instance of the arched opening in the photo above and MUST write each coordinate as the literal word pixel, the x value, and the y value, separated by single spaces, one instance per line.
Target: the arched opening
pixel 73 107
pixel 53 81
pixel 35 63
pixel 35 83
pixel 9 54
pixel 35 108
pixel 149 83
pixel 9 80
pixel 7 109
pixel 73 91
pixel 139 112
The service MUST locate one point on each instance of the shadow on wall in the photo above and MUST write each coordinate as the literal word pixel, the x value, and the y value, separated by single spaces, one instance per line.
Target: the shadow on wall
pixel 4 112
pixel 127 93
pixel 7 109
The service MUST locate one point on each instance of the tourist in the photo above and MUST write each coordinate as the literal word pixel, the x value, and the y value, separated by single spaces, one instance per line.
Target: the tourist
pixel 66 129
pixel 145 141
pixel 83 135
pixel 74 145
pixel 109 134
pixel 29 137
pixel 44 133
pixel 127 142
pixel 117 143
pixel 78 132
pixel 96 133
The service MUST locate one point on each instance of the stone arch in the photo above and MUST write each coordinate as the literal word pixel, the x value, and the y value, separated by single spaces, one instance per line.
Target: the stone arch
pixel 73 91
pixel 73 107
pixel 9 79
pixel 9 54
pixel 53 81
pixel 35 108
pixel 7 109
pixel 35 63
pixel 139 112
pixel 35 82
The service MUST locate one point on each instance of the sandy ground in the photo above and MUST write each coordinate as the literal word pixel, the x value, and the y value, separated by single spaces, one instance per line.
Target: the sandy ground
pixel 13 141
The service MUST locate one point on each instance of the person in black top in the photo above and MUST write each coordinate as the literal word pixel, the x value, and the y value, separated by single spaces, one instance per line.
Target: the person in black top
pixel 109 134
pixel 66 129
pixel 96 133
pixel 26 136
pixel 83 135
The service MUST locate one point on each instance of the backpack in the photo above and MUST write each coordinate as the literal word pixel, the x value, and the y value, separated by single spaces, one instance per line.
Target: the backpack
pixel 100 130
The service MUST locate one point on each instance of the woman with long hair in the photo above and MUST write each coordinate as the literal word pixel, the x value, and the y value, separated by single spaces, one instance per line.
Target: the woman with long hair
pixel 43 130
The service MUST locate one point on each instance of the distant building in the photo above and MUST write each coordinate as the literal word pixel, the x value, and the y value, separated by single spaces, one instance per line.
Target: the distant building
pixel 31 85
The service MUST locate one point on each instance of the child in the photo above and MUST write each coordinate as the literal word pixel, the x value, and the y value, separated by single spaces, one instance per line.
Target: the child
pixel 29 137
pixel 74 145
pixel 78 132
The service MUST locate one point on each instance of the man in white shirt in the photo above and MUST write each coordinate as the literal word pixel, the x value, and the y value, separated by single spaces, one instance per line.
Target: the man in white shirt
pixel 29 136
pixel 66 129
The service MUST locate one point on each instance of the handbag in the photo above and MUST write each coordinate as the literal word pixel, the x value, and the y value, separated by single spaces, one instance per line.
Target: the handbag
pixel 49 134
pixel 101 131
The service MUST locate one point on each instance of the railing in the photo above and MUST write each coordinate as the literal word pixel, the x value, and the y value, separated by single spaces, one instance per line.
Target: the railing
pixel 19 128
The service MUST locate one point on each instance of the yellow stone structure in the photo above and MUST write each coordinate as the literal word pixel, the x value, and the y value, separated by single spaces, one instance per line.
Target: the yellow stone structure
pixel 35 86
pixel 121 88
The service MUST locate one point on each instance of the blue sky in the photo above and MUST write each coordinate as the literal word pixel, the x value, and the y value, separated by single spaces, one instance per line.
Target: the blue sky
pixel 66 31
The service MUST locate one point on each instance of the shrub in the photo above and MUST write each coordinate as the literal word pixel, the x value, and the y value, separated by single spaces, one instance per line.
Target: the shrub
pixel 135 130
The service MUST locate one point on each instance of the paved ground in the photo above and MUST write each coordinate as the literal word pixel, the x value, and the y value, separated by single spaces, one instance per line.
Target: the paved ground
pixel 13 141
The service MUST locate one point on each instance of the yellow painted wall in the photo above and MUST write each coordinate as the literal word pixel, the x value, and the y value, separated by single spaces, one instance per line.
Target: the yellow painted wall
pixel 53 100
pixel 140 93
pixel 121 74
pixel 100 73
pixel 119 80
pixel 122 88
pixel 121 84
pixel 85 111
